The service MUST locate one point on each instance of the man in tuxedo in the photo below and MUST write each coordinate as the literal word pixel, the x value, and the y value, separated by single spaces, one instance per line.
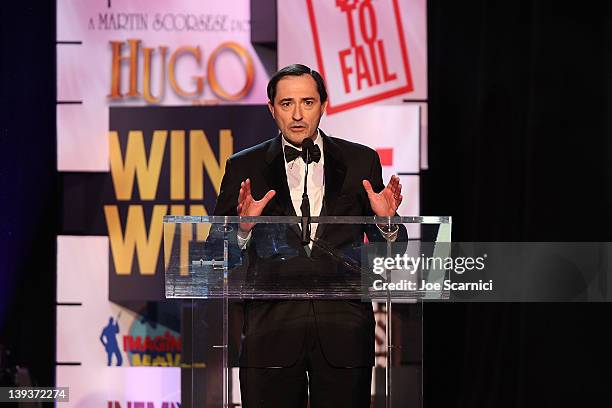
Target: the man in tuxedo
pixel 298 350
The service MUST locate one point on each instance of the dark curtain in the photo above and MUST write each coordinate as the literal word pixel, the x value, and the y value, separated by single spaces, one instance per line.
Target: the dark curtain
pixel 519 150
pixel 28 190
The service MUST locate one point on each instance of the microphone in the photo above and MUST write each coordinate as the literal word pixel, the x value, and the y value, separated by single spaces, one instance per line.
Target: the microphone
pixel 307 148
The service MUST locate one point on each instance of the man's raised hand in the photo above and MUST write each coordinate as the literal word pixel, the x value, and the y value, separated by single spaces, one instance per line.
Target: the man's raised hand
pixel 385 203
pixel 248 206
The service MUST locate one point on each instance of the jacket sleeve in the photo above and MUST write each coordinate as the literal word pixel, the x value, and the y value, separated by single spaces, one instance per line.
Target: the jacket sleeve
pixel 228 194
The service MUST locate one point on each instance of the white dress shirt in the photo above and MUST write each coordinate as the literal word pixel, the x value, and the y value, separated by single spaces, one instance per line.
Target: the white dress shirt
pixel 295 170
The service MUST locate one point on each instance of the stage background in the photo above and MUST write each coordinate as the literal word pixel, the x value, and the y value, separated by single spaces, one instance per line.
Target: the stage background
pixel 144 132
pixel 519 140
pixel 177 88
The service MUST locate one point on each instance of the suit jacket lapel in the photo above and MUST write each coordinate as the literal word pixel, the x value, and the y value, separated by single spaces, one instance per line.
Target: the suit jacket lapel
pixel 276 176
pixel 335 172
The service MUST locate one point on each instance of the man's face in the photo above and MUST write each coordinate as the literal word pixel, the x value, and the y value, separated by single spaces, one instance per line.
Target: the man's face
pixel 297 108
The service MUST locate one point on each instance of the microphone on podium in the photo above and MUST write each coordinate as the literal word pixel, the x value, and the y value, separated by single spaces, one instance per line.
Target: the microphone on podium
pixel 307 150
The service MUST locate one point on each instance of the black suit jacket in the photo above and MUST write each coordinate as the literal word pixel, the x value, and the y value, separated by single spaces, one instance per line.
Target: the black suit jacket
pixel 274 331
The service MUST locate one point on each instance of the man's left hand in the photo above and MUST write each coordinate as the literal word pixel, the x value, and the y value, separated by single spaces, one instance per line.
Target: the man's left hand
pixel 385 203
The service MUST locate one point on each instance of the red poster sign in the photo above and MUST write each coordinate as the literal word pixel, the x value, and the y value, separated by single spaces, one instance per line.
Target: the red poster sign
pixel 364 57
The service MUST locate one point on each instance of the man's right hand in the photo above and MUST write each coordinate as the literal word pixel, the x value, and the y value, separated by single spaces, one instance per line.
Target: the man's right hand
pixel 249 207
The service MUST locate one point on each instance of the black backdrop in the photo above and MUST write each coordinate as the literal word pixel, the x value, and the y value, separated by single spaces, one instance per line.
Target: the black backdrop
pixel 519 150
pixel 28 188
pixel 519 136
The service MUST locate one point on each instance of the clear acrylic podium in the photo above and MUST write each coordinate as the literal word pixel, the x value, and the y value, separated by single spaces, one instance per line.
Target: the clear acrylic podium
pixel 375 260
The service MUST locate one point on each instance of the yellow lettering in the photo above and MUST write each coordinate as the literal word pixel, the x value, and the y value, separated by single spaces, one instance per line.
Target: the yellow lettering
pixel 247 61
pixel 195 51
pixel 147 171
pixel 137 361
pixel 146 80
pixel 201 154
pixel 177 165
pixel 160 361
pixel 146 245
pixel 117 59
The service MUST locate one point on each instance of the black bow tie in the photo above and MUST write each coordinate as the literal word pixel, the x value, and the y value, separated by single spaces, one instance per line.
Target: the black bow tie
pixel 291 154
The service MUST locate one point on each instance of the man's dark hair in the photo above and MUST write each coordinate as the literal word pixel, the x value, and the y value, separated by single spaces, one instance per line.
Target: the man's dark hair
pixel 296 70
